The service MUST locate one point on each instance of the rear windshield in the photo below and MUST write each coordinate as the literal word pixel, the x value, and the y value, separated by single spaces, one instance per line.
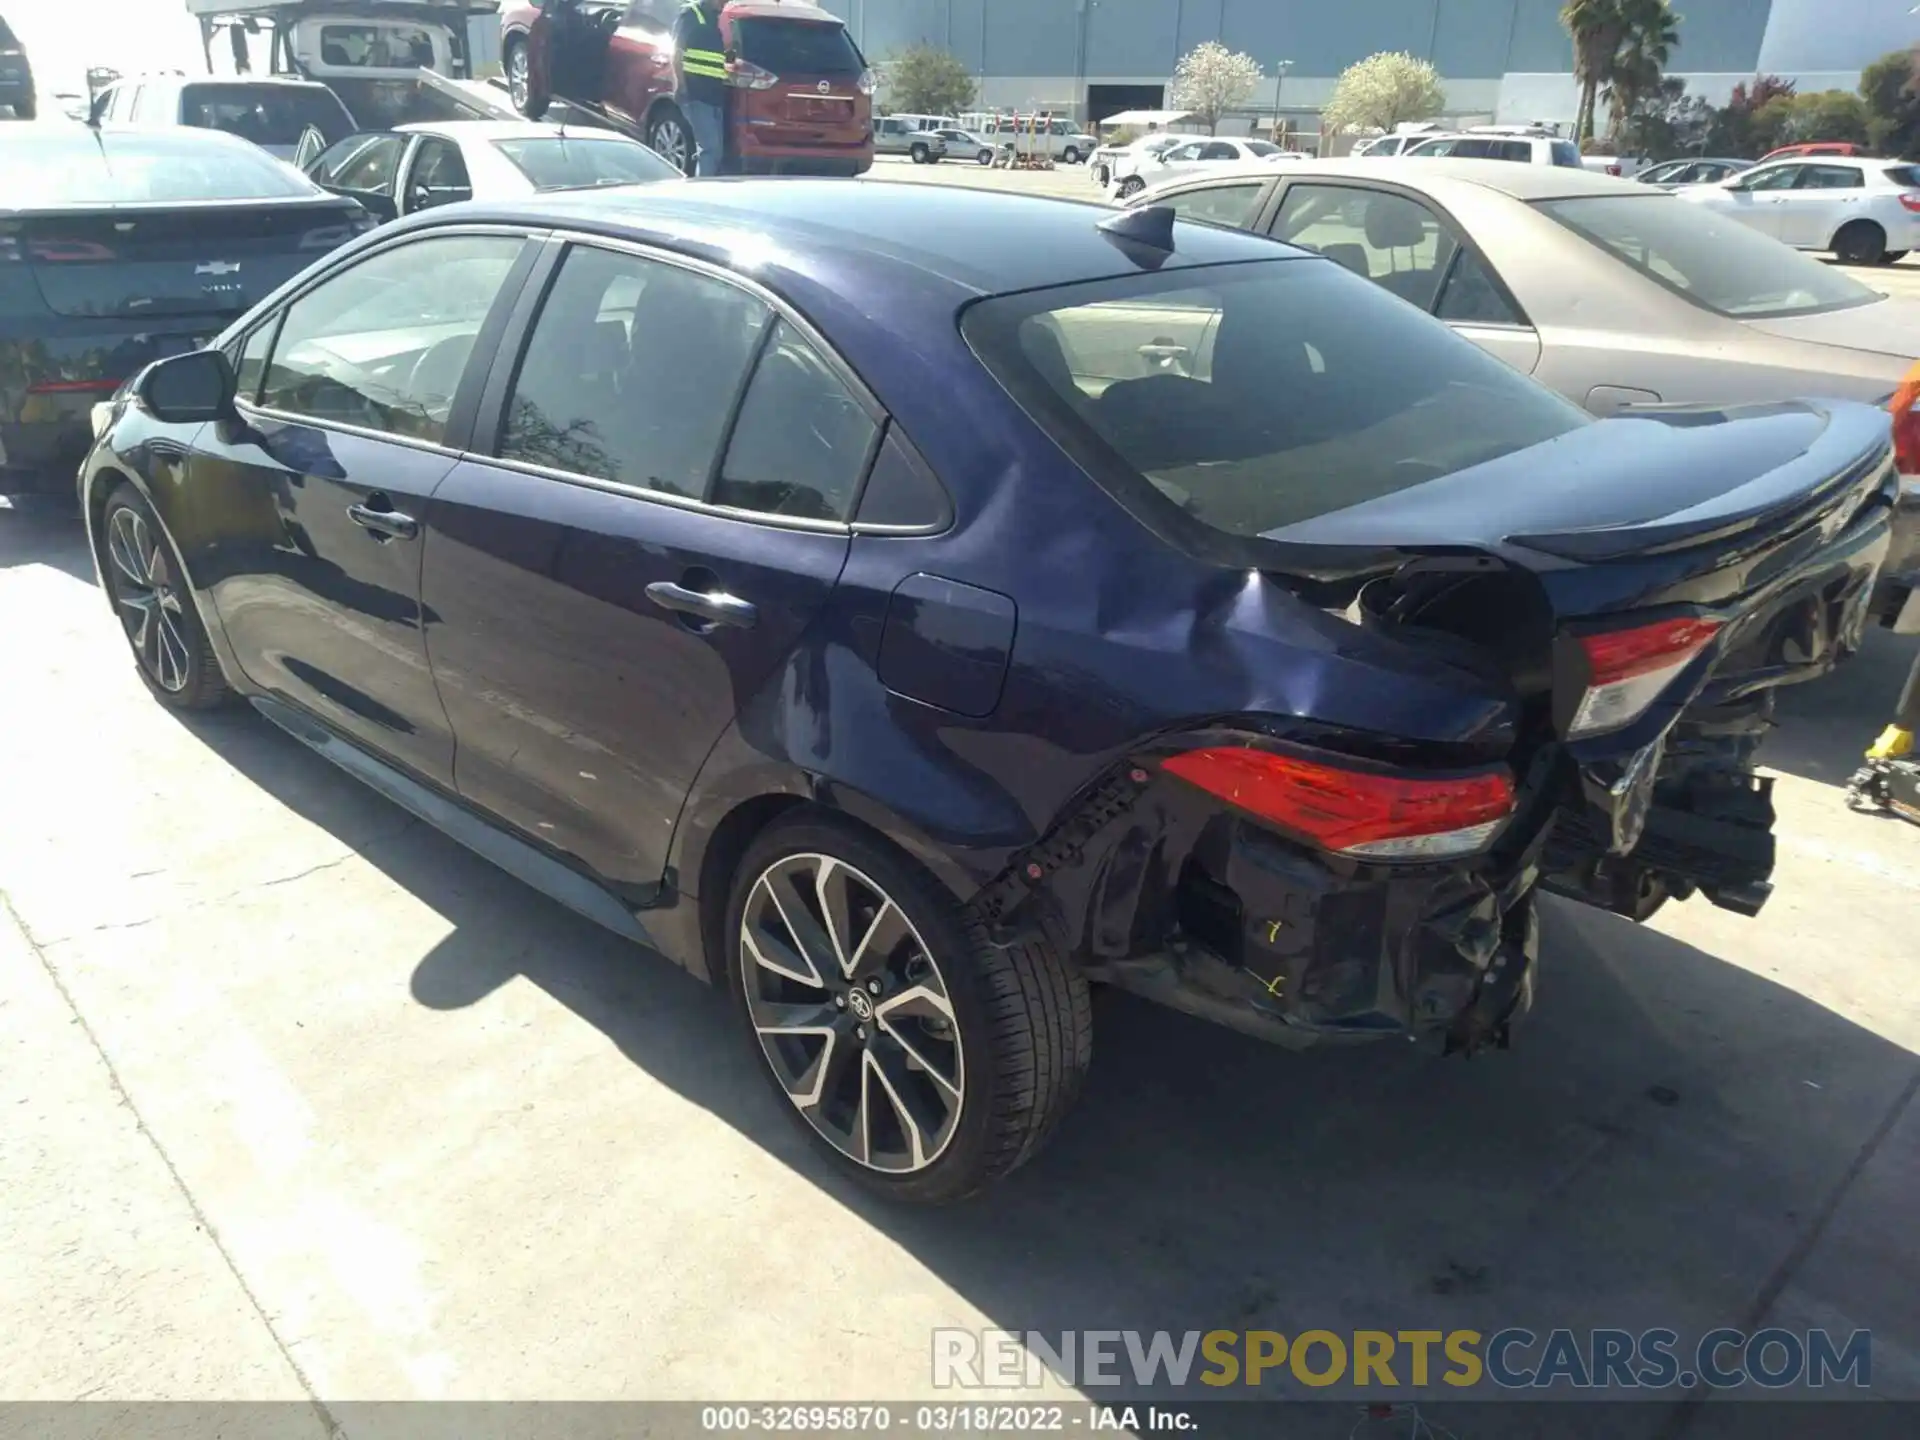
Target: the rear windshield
pixel 55 168
pixel 1715 261
pixel 6 35
pixel 796 47
pixel 265 114
pixel 1904 174
pixel 1255 396
pixel 560 163
pixel 1262 148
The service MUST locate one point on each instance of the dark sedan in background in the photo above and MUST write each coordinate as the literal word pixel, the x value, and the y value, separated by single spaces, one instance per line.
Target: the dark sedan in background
pixel 120 246
pixel 904 606
pixel 16 75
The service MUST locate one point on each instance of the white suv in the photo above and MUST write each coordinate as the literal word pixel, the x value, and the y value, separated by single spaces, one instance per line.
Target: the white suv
pixel 275 112
pixel 1526 149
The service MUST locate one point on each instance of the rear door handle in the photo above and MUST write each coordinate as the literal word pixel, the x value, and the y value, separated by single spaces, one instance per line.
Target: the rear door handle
pixel 382 520
pixel 711 605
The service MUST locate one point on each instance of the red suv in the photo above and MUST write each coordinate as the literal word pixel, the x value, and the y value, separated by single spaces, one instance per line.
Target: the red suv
pixel 801 100
pixel 1813 147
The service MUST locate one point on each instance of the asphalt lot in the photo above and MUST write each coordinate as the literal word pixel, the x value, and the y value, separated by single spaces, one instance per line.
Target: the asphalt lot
pixel 304 1101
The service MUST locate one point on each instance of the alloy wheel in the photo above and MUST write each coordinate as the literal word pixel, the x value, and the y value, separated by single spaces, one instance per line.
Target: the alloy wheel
pixel 852 1013
pixel 148 595
pixel 517 75
pixel 673 144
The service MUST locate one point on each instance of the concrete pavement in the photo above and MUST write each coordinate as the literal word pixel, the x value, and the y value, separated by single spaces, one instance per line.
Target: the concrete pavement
pixel 303 1100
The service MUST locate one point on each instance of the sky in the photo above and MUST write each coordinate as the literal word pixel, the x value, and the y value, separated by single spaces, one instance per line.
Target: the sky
pixel 64 37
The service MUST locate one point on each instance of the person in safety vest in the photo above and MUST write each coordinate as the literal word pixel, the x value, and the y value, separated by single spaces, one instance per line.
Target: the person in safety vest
pixel 702 60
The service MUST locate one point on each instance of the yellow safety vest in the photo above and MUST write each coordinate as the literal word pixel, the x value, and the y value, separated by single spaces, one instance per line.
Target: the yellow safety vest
pixel 710 63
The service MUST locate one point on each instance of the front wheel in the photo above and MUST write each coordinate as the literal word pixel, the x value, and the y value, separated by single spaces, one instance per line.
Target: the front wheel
pixel 919 154
pixel 924 1058
pixel 670 137
pixel 1071 156
pixel 1131 186
pixel 985 157
pixel 148 588
pixel 1861 243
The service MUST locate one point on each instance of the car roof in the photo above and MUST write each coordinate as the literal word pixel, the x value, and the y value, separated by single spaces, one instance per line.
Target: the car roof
pixel 962 242
pixel 779 10
pixel 505 130
pixel 1507 177
pixel 175 77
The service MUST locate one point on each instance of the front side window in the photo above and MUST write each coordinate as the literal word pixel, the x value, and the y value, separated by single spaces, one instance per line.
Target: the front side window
pixel 364 164
pixel 1715 261
pixel 1232 205
pixel 383 345
pixel 1296 390
pixel 1396 242
pixel 265 114
pixel 439 175
pixel 1777 177
pixel 630 373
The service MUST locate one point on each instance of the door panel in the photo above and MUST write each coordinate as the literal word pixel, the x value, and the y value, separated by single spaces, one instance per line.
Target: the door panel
pixel 317 493
pixel 584 706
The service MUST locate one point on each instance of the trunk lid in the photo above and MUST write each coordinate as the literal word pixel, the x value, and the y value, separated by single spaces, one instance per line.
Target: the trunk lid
pixel 1888 326
pixel 1667 494
pixel 200 261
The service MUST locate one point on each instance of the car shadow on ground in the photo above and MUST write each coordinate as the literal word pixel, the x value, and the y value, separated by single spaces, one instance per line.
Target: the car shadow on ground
pixel 44 532
pixel 1666 1132
pixel 1826 725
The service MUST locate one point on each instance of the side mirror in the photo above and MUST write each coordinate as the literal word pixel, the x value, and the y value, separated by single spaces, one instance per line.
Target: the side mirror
pixel 188 389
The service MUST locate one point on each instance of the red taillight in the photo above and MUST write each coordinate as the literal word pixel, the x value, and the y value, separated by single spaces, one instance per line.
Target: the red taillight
pixel 1628 669
pixel 746 75
pixel 1613 169
pixel 72 387
pixel 1355 812
pixel 1910 199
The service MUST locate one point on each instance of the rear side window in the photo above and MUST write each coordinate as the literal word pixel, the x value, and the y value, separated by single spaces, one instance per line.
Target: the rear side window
pixel 54 168
pixel 631 373
pixel 1297 390
pixel 384 344
pixel 1390 239
pixel 796 47
pixel 1830 177
pixel 1566 154
pixel 560 163
pixel 1520 150
pixel 801 442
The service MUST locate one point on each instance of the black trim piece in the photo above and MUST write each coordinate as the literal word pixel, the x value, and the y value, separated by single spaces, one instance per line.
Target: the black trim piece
pixel 549 876
pixel 717 469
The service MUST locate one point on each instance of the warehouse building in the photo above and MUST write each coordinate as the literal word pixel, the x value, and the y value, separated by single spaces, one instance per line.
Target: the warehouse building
pixel 1503 59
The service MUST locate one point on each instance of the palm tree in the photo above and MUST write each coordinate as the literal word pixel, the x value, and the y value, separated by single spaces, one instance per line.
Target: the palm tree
pixel 1650 30
pixel 1596 27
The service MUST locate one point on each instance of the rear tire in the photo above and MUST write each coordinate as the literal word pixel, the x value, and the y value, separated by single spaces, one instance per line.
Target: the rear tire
pixel 1071 156
pixel 671 138
pixel 919 154
pixel 1861 243
pixel 987 1044
pixel 519 67
pixel 148 588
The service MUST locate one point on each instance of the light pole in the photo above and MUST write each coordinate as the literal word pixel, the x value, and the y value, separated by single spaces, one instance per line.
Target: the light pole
pixel 1280 69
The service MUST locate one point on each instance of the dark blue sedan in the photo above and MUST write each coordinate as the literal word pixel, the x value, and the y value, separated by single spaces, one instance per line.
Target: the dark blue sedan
pixel 907 606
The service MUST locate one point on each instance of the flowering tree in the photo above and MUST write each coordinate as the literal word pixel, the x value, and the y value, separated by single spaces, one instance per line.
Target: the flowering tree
pixel 1211 79
pixel 1381 91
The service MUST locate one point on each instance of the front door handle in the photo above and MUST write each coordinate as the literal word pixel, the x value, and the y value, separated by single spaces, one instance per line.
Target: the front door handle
pixel 713 606
pixel 382 520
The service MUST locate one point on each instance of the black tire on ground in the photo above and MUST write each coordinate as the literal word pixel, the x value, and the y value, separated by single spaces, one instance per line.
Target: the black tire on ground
pixel 1021 1020
pixel 1893 257
pixel 162 624
pixel 1071 156
pixel 1860 242
pixel 985 157
pixel 919 154
pixel 1131 186
pixel 25 109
